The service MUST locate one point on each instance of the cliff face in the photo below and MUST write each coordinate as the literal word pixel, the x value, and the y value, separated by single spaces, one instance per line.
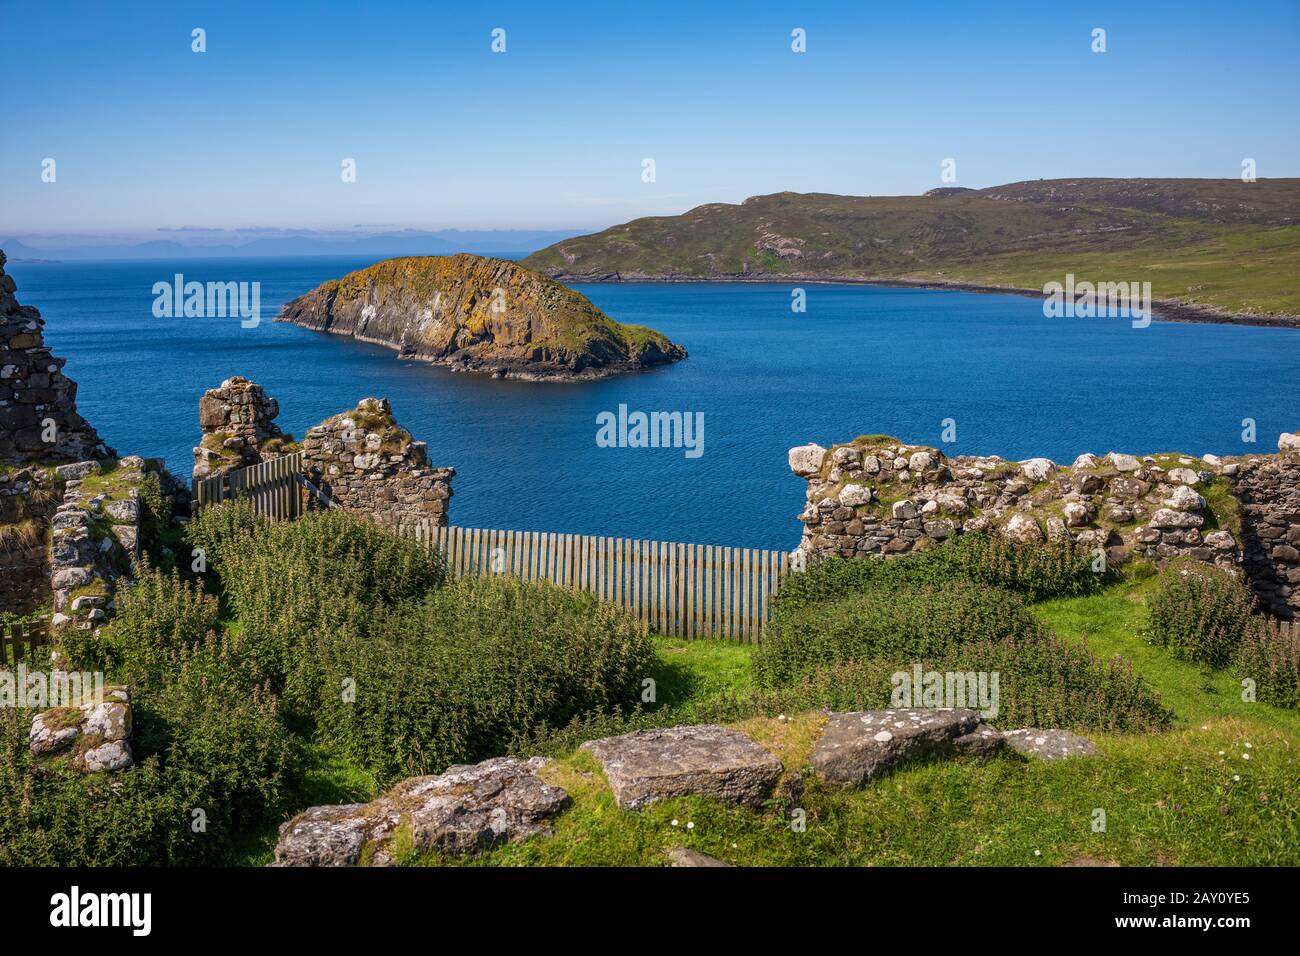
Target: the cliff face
pixel 477 314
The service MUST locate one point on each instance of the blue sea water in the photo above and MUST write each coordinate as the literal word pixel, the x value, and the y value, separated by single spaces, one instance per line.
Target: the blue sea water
pixel 861 359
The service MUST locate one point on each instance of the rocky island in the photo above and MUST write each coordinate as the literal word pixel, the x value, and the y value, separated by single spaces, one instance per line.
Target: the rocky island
pixel 477 314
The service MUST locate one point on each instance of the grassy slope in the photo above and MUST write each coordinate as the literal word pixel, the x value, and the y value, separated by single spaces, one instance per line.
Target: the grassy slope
pixel 1170 799
pixel 1224 244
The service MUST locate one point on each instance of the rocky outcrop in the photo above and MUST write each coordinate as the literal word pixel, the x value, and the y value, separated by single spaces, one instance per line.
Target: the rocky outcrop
pixel 879 496
pixel 471 313
pixel 363 460
pixel 465 809
pixel 650 765
pixel 239 430
pixel 95 734
pixel 38 403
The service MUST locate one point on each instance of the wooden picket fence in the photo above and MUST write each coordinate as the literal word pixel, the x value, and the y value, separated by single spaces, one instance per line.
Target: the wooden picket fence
pixel 684 590
pixel 275 488
pixel 22 642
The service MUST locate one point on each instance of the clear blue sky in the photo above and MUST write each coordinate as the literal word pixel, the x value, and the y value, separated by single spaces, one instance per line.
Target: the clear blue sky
pixel 551 134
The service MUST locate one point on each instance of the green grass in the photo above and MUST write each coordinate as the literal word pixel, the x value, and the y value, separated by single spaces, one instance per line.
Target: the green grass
pixel 1183 798
pixel 1111 624
pixel 1168 800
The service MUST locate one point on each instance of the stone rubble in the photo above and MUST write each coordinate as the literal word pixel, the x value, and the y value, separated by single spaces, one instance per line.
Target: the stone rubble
pixel 469 809
pixel 96 734
pixel 465 809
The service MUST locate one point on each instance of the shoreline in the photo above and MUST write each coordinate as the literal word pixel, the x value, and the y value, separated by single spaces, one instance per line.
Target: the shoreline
pixel 1165 310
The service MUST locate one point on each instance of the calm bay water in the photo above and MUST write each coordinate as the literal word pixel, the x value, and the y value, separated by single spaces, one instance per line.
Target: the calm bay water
pixel 860 360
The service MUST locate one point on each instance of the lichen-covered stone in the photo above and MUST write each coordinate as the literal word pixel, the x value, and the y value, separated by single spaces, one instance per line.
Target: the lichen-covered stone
pixel 856 748
pixel 649 765
pixel 1049 744
pixel 465 809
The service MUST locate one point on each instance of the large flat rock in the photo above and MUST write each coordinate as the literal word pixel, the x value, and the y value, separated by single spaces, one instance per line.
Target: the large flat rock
pixel 466 809
pixel 857 747
pixel 1049 744
pixel 708 760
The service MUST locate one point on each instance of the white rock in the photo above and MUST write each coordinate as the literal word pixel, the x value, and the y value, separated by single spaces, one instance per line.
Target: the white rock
pixel 1184 499
pixel 1214 461
pixel 904 510
pixel 853 495
pixel 1123 462
pixel 1165 518
pixel 1037 469
pixel 1184 476
pixel 1085 461
pixel 806 460
pixel 1076 514
pixel 920 461
pixel 1023 528
pixel 1288 443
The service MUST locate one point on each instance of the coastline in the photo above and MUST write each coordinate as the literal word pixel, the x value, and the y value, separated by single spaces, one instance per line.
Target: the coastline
pixel 1165 310
pixel 499 368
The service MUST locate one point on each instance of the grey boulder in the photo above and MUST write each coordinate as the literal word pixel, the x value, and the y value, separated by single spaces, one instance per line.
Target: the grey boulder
pixel 707 760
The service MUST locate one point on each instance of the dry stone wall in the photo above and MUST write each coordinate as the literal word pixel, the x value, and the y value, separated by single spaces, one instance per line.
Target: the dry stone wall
pixel 239 430
pixel 878 496
pixel 38 407
pixel 363 460
pixel 1268 490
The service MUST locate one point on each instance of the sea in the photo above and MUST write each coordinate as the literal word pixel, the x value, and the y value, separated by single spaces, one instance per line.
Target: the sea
pixel 970 373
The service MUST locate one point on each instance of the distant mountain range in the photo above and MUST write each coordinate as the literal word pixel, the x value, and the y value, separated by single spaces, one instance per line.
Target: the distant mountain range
pixel 404 243
pixel 1210 247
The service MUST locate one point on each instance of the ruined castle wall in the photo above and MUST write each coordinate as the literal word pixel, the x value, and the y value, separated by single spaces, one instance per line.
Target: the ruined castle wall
pixel 1269 491
pixel 878 496
pixel 364 462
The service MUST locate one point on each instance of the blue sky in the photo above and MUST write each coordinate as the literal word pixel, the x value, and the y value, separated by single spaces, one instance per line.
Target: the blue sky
pixel 551 134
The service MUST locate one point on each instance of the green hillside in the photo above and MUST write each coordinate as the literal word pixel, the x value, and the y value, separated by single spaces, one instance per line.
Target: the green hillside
pixel 1222 244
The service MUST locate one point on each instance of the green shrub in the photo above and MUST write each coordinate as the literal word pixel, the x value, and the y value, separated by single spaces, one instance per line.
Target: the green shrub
pixel 209 743
pixel 293 585
pixel 459 676
pixel 1202 613
pixel 1036 572
pixel 52 815
pixel 157 616
pixel 883 621
pixel 1270 656
pixel 221 740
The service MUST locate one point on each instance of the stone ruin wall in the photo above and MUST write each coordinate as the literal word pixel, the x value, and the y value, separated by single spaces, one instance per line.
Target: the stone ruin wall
pixel 876 496
pixel 42 438
pixel 237 419
pixel 361 460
